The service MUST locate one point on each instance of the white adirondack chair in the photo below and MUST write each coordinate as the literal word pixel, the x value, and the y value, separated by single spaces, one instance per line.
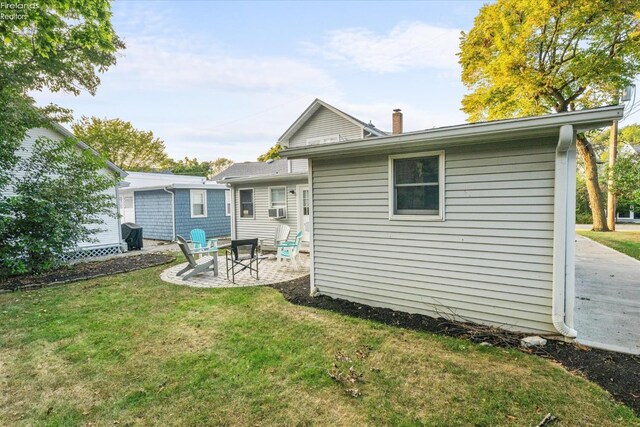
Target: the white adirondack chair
pixel 281 234
pixel 290 250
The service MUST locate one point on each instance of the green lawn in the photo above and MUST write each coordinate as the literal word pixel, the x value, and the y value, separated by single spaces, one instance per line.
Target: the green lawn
pixel 627 242
pixel 132 350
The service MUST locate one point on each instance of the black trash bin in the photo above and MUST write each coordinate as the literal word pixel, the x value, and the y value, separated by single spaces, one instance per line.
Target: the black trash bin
pixel 132 234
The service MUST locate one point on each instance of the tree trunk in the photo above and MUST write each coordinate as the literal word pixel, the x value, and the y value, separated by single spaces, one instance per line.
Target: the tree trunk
pixel 596 199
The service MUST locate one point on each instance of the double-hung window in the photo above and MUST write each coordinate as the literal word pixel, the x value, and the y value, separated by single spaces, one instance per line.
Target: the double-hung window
pixel 277 197
pixel 416 186
pixel 198 203
pixel 246 203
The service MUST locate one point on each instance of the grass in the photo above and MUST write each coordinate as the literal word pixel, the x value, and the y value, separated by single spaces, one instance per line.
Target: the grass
pixel 627 242
pixel 132 350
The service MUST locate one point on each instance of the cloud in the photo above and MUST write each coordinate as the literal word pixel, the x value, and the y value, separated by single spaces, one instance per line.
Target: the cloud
pixel 413 45
pixel 161 62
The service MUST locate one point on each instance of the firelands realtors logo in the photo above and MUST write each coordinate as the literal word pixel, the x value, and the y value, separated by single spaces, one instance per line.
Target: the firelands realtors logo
pixel 16 11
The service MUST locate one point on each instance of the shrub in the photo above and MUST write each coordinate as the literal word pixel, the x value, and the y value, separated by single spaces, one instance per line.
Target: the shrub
pixel 58 202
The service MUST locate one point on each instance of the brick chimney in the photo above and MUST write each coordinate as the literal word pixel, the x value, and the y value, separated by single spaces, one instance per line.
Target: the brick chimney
pixel 396 119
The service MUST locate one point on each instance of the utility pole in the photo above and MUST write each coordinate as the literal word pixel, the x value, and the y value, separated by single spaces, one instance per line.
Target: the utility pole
pixel 611 198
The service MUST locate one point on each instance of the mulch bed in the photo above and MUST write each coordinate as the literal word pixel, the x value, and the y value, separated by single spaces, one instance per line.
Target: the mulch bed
pixel 85 271
pixel 615 372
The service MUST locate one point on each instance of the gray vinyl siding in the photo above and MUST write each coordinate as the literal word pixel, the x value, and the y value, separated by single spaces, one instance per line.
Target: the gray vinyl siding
pixel 109 234
pixel 324 123
pixel 153 213
pixel 216 223
pixel 489 262
pixel 299 165
pixel 261 226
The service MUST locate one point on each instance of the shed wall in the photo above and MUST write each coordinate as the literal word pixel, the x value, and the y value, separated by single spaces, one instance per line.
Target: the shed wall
pixel 153 213
pixel 489 262
pixel 216 224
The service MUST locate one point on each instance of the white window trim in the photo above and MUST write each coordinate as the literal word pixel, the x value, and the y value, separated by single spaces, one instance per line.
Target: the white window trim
pixel 405 217
pixel 228 207
pixel 204 199
pixel 285 196
pixel 253 202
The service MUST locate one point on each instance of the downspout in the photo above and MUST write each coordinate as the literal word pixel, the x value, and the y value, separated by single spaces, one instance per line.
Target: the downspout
pixel 232 200
pixel 173 212
pixel 561 233
pixel 123 245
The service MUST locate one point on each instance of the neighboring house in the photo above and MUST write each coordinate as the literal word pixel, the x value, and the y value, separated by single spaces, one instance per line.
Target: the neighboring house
pixel 630 149
pixel 474 222
pixel 166 205
pixel 265 194
pixel 109 239
pixel 628 215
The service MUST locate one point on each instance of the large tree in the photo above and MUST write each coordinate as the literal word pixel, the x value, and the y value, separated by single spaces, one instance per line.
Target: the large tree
pixel 205 169
pixel 218 165
pixel 625 175
pixel 526 58
pixel 272 154
pixel 129 148
pixel 60 45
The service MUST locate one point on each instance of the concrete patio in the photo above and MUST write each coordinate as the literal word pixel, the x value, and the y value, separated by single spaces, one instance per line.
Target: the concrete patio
pixel 270 272
pixel 607 311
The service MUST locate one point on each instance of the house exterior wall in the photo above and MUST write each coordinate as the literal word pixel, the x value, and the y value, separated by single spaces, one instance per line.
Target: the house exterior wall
pixel 261 226
pixel 109 236
pixel 216 223
pixel 154 214
pixel 490 261
pixel 323 122
pixel 299 165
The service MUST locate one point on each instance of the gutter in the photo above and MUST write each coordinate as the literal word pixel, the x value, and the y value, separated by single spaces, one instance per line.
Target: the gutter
pixel 469 133
pixel 562 248
pixel 265 178
pixel 180 187
pixel 173 212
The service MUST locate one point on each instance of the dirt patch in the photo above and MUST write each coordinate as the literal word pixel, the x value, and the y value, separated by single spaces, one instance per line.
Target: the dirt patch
pixel 84 271
pixel 615 372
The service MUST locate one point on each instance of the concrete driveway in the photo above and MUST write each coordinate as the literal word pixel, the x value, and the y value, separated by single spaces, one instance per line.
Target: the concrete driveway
pixel 607 311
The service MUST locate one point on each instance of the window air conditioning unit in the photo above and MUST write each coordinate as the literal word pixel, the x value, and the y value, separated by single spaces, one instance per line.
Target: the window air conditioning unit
pixel 277 213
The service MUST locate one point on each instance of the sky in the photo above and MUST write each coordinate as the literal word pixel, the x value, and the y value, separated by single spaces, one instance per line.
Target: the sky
pixel 226 79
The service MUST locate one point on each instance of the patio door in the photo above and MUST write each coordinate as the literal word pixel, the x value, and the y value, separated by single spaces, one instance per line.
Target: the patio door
pixel 304 208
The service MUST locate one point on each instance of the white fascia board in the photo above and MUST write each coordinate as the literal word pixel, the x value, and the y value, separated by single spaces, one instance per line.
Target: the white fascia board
pixel 180 187
pixel 311 109
pixel 267 178
pixel 474 133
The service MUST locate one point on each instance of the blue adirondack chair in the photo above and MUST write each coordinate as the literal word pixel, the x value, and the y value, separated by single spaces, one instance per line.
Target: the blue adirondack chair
pixel 201 244
pixel 289 250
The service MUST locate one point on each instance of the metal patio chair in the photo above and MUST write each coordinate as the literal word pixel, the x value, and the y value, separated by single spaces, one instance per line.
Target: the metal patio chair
pixel 242 255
